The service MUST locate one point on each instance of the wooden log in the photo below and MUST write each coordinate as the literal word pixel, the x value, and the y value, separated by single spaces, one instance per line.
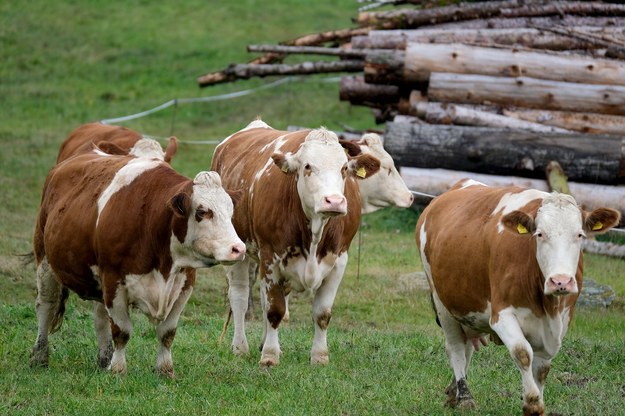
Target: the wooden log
pixel 585 158
pixel 614 49
pixel 245 71
pixel 527 92
pixel 410 18
pixel 525 37
pixel 524 22
pixel 421 59
pixel 556 178
pixel 436 181
pixel 310 50
pixel 591 123
pixel 448 113
pixel 355 90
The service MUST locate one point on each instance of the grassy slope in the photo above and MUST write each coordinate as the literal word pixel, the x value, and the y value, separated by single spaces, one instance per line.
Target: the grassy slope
pixel 66 63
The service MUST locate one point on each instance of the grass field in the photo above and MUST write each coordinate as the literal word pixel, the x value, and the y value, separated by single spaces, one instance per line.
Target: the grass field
pixel 70 62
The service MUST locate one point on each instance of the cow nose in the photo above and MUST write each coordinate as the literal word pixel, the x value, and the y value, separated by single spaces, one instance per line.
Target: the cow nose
pixel 560 284
pixel 238 251
pixel 334 204
pixel 411 199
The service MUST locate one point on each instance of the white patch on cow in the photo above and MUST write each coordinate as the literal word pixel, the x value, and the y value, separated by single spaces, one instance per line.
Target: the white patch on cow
pixel 471 182
pixel 213 240
pixel 514 201
pixel 295 270
pixel 100 152
pixel 154 295
pixel 124 177
pixel 387 186
pixel 426 266
pixel 256 124
pixel 544 334
pixel 146 147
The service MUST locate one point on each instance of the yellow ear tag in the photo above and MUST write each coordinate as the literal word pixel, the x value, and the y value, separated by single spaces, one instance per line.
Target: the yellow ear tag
pixel 346 151
pixel 361 172
pixel 285 168
pixel 521 229
pixel 598 225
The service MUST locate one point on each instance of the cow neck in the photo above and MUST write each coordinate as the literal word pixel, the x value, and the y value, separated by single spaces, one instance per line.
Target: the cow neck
pixel 311 275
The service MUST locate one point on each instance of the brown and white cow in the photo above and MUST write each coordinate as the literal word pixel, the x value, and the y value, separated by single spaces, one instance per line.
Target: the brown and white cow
pixel 505 262
pixel 127 231
pixel 113 140
pixel 298 214
pixel 386 188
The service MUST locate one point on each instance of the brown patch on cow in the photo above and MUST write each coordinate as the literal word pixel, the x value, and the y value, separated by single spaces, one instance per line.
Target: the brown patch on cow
pixel 171 149
pixel 512 221
pixel 323 320
pixel 111 148
pixel 277 305
pixel 83 139
pixel 168 338
pixel 369 163
pixel 542 373
pixel 352 148
pixel 602 219
pixel 522 356
pixel 120 338
pixel 202 213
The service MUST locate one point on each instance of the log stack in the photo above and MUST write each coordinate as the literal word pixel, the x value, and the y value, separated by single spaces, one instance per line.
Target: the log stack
pixel 496 87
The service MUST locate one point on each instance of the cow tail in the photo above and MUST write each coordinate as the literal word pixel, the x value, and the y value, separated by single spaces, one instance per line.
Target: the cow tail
pixel 225 328
pixel 57 318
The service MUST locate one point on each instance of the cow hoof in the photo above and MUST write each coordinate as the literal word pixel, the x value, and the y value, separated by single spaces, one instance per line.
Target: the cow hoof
pixel 165 371
pixel 240 350
pixel 269 361
pixel 104 357
pixel 320 359
pixel 465 404
pixel 39 359
pixel 533 410
pixel 118 368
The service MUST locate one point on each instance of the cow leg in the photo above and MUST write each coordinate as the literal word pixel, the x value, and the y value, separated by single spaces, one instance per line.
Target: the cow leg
pixel 272 294
pixel 238 296
pixel 540 370
pixel 166 331
pixel 459 352
pixel 287 316
pixel 50 308
pixel 103 334
pixel 322 311
pixel 510 333
pixel 121 326
pixel 252 270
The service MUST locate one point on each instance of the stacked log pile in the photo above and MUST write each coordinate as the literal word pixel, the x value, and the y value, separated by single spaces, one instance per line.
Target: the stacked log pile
pixel 497 88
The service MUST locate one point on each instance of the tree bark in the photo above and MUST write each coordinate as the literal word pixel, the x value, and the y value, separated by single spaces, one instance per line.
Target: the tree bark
pixel 527 92
pixel 410 18
pixel 614 49
pixel 355 90
pixel 245 71
pixel 584 158
pixel 524 22
pixel 441 113
pixel 421 59
pixel 590 123
pixel 525 37
pixel 437 181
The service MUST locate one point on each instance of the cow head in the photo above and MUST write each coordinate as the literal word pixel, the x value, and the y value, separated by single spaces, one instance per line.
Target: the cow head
pixel 559 228
pixel 387 187
pixel 210 237
pixel 321 167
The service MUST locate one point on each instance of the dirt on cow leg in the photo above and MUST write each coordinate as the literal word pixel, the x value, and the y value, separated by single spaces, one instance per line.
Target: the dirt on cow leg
pixel 458 395
pixel 105 356
pixel 39 355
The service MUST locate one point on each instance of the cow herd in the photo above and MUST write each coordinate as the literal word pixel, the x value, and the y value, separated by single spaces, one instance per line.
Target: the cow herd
pixel 119 226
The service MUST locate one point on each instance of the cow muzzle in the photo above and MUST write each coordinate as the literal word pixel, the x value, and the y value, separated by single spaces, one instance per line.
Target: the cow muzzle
pixel 333 205
pixel 560 285
pixel 236 253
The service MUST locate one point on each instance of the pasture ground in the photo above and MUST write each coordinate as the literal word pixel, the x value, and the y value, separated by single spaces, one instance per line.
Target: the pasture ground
pixel 67 63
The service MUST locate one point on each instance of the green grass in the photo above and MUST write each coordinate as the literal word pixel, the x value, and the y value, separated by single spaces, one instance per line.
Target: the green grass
pixel 67 63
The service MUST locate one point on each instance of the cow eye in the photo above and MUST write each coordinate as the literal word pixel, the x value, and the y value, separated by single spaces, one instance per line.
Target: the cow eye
pixel 307 166
pixel 200 214
pixel 581 235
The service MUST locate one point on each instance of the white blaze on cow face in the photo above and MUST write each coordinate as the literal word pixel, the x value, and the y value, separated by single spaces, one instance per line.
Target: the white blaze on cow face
pixel 559 236
pixel 321 167
pixel 387 186
pixel 147 147
pixel 558 232
pixel 210 232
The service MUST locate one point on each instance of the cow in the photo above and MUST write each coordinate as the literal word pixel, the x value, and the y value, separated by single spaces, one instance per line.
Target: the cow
pixel 126 231
pixel 113 140
pixel 387 188
pixel 298 214
pixel 505 262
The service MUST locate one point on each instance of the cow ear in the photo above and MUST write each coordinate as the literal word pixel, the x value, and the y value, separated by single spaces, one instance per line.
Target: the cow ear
pixel 111 148
pixel 363 166
pixel 601 220
pixel 235 196
pixel 180 204
pixel 171 149
pixel 519 223
pixel 284 162
pixel 351 148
